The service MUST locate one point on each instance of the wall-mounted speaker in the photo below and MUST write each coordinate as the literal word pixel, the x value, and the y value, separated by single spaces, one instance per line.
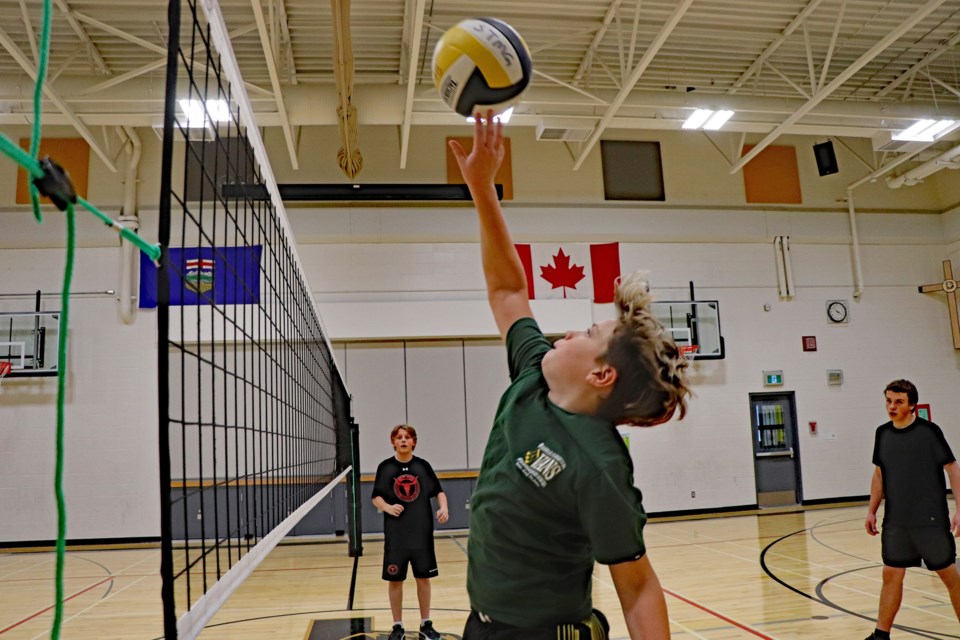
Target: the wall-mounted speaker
pixel 826 158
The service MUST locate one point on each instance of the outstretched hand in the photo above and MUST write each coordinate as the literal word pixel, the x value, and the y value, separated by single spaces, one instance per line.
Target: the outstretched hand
pixel 481 165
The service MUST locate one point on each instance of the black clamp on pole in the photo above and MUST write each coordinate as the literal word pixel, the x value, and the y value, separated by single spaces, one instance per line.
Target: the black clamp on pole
pixel 55 184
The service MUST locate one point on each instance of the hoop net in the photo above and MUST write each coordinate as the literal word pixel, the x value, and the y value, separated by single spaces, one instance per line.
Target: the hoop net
pixel 688 351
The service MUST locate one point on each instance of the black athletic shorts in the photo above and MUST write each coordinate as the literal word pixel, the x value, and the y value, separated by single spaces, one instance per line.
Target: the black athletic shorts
pixel 395 561
pixel 481 627
pixel 904 547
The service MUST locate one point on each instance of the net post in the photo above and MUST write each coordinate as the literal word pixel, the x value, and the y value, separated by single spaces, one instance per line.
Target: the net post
pixel 354 529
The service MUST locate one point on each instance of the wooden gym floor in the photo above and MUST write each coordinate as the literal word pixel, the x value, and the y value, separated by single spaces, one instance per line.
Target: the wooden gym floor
pixel 809 574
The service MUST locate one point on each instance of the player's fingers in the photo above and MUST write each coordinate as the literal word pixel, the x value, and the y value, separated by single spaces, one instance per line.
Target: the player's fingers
pixel 491 128
pixel 477 129
pixel 458 152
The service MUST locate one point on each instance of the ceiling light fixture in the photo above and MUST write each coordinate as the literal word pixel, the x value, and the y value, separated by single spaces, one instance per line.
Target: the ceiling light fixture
pixel 696 120
pixel 925 130
pixel 503 117
pixel 197 117
pixel 717 120
pixel 707 119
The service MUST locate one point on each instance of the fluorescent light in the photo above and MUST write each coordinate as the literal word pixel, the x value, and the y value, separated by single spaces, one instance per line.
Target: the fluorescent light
pixel 193 110
pixel 503 117
pixel 924 130
pixel 717 120
pixel 197 117
pixel 697 119
pixel 218 110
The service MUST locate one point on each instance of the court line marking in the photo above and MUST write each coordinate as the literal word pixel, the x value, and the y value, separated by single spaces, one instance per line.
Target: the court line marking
pixel 693 603
pixel 696 604
pixel 43 611
pixel 827 567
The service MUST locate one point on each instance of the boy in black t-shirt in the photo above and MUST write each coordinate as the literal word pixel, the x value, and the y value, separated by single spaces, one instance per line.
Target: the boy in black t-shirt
pixel 402 491
pixel 911 455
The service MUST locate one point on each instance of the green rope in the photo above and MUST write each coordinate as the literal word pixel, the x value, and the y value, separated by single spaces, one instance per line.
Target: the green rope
pixel 29 161
pixel 38 100
pixel 61 394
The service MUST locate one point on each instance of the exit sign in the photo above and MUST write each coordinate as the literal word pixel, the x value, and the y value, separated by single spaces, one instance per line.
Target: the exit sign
pixel 773 378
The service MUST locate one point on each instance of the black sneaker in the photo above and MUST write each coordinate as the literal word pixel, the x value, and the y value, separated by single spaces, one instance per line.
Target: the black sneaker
pixel 428 632
pixel 396 633
pixel 874 636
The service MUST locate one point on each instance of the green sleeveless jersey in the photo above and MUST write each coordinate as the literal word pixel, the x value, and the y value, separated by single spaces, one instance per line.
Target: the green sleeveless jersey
pixel 555 494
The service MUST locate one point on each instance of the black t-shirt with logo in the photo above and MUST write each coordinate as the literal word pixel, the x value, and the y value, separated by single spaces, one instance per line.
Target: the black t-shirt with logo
pixel 410 484
pixel 911 461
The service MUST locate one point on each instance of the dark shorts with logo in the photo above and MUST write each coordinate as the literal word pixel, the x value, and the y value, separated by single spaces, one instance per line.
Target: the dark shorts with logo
pixel 423 561
pixel 904 547
pixel 480 627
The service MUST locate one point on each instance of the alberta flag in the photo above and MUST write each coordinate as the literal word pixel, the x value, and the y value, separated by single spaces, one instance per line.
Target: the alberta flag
pixel 571 270
pixel 208 275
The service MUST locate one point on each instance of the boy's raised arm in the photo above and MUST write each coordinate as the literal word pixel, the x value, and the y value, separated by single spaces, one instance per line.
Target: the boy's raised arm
pixel 506 282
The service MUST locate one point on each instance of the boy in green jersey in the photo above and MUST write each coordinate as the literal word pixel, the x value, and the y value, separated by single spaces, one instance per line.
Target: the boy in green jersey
pixel 555 492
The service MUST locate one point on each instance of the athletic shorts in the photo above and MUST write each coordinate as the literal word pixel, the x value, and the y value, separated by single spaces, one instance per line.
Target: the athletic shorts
pixel 481 627
pixel 904 547
pixel 424 562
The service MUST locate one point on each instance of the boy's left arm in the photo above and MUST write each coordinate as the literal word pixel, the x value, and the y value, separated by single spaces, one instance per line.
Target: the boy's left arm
pixel 641 598
pixel 442 514
pixel 953 472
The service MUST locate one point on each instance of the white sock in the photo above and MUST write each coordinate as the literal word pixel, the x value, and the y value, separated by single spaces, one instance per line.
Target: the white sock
pixel 398 622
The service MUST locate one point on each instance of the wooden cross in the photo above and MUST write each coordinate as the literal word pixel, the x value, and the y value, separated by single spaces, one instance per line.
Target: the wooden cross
pixel 949 285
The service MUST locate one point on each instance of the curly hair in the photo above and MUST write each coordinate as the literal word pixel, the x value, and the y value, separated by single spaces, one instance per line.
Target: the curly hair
pixel 651 372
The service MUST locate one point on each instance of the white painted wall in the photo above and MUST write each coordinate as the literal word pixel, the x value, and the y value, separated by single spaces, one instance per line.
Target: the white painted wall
pixel 413 272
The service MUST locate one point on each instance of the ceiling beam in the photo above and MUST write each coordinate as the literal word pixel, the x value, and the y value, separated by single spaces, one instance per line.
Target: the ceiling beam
pixel 587 59
pixel 842 77
pixel 31 34
pixel 927 59
pixel 78 29
pixel 65 109
pixel 631 82
pixel 275 83
pixel 773 46
pixel 413 49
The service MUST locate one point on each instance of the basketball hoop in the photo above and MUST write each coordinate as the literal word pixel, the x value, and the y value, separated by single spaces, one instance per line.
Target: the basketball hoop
pixel 5 368
pixel 688 351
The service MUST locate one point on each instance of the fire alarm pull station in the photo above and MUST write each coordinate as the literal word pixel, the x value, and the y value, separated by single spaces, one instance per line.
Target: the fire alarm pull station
pixel 813 428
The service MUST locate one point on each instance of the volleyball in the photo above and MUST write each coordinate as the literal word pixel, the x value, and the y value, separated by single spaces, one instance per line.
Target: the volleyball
pixel 481 64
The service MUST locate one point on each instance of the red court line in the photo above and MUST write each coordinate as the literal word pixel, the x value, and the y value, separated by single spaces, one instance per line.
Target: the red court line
pixel 713 613
pixel 43 611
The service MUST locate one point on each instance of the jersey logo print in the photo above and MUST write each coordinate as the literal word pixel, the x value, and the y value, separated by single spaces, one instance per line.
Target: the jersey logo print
pixel 407 487
pixel 541 465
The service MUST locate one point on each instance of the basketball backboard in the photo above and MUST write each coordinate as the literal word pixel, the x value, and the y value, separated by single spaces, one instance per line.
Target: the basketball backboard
pixel 693 323
pixel 29 341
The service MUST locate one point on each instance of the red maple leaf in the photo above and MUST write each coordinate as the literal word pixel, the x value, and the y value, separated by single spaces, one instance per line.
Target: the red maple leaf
pixel 561 273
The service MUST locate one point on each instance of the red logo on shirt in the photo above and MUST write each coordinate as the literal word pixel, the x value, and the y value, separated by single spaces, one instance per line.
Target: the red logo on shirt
pixel 407 487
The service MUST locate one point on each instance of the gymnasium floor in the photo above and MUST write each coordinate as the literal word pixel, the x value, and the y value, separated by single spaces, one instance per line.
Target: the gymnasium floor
pixel 811 574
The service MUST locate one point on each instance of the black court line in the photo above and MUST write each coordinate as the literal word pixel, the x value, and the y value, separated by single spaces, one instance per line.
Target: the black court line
pixel 934 635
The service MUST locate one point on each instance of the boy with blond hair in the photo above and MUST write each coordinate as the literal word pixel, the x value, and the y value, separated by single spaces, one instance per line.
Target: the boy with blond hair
pixel 556 474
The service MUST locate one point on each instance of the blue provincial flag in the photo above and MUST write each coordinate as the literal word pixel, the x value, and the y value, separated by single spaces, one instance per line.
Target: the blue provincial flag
pixel 205 275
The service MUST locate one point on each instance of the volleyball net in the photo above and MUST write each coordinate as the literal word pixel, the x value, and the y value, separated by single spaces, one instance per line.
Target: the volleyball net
pixel 255 424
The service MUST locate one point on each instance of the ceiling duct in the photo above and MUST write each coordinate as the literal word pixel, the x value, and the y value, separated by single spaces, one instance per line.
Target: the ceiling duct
pixel 564 129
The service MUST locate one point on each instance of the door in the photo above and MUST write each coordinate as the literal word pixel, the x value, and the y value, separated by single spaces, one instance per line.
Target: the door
pixel 773 418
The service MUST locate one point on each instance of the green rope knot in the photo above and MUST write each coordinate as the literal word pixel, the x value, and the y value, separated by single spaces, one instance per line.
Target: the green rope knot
pixel 55 184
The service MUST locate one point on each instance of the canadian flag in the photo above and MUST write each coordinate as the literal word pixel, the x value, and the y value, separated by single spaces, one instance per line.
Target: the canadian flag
pixel 571 270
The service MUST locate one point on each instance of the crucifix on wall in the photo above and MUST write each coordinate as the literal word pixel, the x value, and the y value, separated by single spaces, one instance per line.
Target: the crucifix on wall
pixel 949 285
